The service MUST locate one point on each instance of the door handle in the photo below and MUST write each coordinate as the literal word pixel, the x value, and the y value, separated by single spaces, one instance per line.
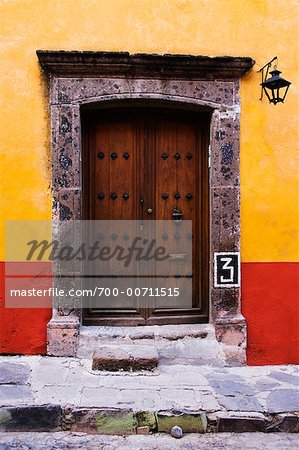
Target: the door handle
pixel 141 222
pixel 149 211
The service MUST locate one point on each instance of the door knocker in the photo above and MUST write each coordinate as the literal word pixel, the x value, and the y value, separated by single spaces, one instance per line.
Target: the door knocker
pixel 177 215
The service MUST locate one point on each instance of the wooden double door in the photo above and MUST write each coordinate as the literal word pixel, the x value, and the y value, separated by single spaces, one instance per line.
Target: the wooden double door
pixel 141 164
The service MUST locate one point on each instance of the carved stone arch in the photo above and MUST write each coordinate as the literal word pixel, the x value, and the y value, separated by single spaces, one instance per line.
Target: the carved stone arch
pixel 79 80
pixel 148 99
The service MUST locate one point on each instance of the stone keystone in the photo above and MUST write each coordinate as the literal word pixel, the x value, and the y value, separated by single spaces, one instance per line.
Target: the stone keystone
pixel 125 357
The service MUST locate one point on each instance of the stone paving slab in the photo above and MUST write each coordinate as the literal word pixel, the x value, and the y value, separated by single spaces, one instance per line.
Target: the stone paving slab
pixel 251 398
pixel 14 373
pixel 76 441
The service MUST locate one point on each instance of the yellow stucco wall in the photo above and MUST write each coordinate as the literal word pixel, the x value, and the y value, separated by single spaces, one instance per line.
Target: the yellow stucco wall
pixel 269 134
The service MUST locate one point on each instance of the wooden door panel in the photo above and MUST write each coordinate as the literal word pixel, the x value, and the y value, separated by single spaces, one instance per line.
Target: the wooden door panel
pixel 177 179
pixel 149 159
pixel 111 194
pixel 115 173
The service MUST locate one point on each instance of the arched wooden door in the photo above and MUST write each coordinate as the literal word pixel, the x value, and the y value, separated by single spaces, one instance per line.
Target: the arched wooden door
pixel 139 163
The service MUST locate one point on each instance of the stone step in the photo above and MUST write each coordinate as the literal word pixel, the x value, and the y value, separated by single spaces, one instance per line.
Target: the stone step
pixel 176 344
pixel 130 358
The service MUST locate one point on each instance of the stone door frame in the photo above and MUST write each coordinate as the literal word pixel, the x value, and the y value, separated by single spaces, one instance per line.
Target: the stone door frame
pixel 77 79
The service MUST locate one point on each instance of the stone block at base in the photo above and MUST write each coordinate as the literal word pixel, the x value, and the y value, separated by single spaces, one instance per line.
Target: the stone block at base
pixel 126 357
pixel 147 419
pixel 241 424
pixel 31 418
pixel 117 422
pixel 63 336
pixel 189 423
pixel 288 423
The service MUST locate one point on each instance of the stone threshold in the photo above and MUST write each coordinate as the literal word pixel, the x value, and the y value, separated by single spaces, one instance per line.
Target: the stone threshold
pixel 118 421
pixel 169 332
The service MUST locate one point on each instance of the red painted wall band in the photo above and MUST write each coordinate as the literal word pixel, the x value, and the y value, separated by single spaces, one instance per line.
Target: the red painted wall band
pixel 270 304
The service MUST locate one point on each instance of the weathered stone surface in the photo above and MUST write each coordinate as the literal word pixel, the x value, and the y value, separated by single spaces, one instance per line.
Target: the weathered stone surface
pixel 240 424
pixel 14 373
pixel 265 385
pixel 231 335
pixel 226 220
pixel 283 400
pixel 208 402
pixel 287 378
pixel 106 397
pixel 148 332
pixel 63 334
pixel 183 344
pixel 142 430
pixel 119 422
pixel 31 418
pixel 179 398
pixel 82 419
pixel 64 395
pixel 189 423
pixel 159 441
pixel 147 419
pixel 45 373
pixel 225 301
pixel 89 63
pixel 240 403
pixel 71 383
pixel 126 357
pixel 198 351
pixel 71 91
pixel 66 147
pixel 14 394
pixel 288 424
pixel 231 387
pixel 234 355
pixel 225 144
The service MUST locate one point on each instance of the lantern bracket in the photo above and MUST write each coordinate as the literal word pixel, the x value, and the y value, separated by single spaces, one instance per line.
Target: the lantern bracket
pixel 265 74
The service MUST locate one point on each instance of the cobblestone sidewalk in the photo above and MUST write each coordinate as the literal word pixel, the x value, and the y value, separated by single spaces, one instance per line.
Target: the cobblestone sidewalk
pixel 48 393
pixel 74 441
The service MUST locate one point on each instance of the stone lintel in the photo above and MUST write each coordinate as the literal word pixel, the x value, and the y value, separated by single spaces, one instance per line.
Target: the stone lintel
pixel 89 63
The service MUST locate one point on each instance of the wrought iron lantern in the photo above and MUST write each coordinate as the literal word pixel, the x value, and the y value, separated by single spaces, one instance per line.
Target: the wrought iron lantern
pixel 275 87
